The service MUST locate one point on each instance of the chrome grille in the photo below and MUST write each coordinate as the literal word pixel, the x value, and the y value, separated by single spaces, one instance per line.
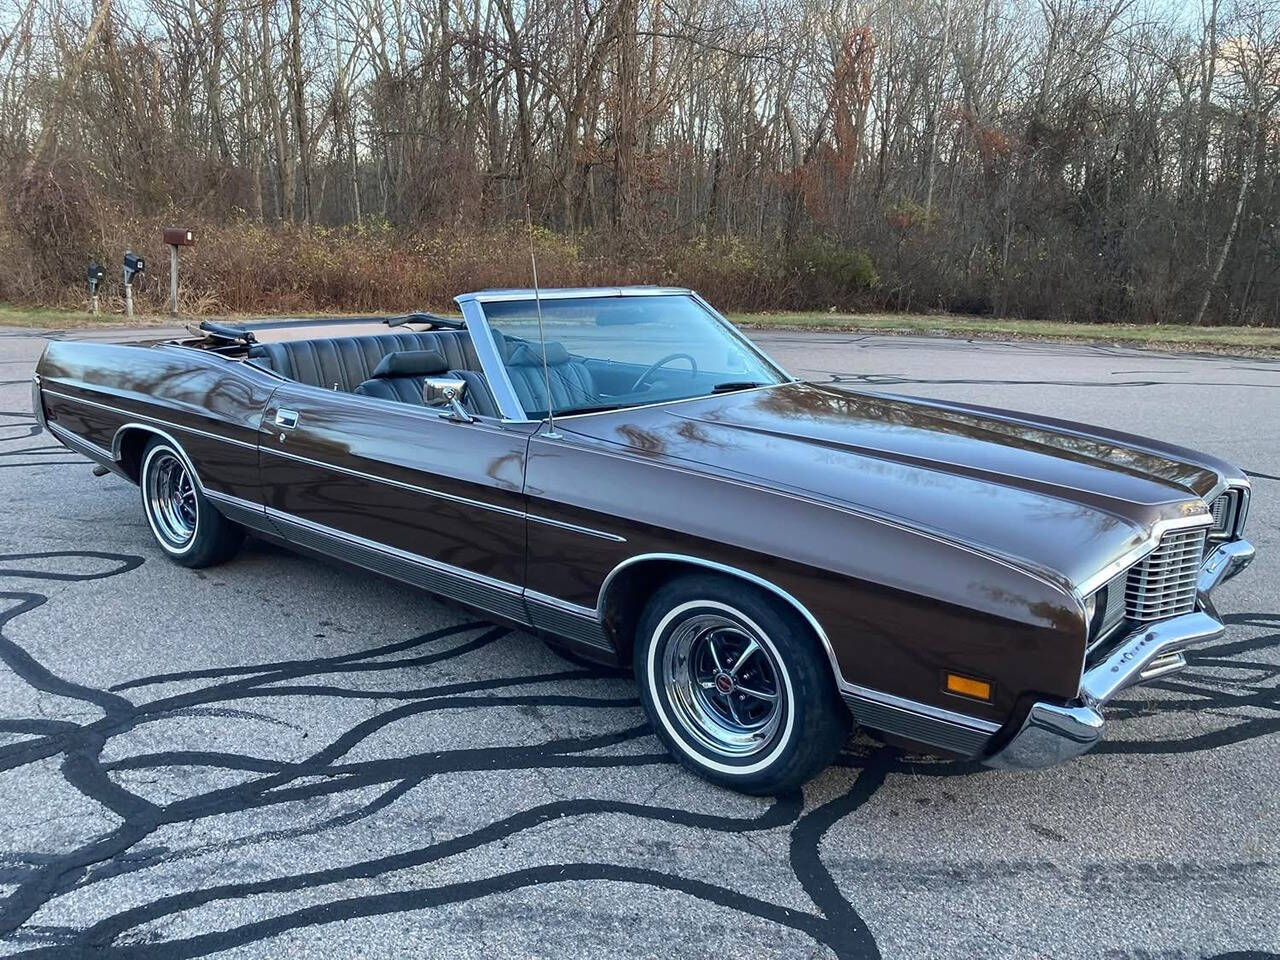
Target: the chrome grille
pixel 1163 584
pixel 1224 510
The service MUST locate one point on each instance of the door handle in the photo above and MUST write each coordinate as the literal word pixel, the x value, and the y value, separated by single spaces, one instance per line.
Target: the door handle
pixel 286 418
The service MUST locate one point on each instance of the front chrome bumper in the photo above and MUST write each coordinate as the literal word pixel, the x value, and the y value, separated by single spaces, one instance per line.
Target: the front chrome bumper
pixel 1056 732
pixel 1223 564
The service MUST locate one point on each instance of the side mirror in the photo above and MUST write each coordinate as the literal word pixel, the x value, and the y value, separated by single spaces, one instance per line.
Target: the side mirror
pixel 446 390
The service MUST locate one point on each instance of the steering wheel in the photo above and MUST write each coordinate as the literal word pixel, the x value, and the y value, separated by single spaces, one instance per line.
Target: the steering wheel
pixel 658 365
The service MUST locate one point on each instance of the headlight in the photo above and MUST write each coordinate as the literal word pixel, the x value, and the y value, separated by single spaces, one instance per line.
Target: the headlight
pixel 1105 607
pixel 1228 512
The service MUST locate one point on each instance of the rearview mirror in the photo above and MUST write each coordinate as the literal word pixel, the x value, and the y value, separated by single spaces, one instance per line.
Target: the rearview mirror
pixel 625 315
pixel 448 391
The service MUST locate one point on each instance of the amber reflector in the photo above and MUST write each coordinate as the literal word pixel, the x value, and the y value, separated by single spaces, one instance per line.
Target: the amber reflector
pixel 968 687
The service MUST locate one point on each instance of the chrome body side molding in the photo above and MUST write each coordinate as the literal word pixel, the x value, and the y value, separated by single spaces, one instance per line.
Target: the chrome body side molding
pixel 80 445
pixel 442 495
pixel 922 722
pixel 575 528
pixel 434 576
pixel 140 421
pixel 567 620
pixel 244 512
pixel 508 600
pixel 399 484
pixel 134 416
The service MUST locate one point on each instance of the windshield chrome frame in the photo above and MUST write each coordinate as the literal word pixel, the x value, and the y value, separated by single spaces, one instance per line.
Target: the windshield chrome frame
pixel 472 307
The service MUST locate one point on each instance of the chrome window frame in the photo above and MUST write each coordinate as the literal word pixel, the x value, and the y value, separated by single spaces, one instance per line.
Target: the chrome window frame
pixel 504 393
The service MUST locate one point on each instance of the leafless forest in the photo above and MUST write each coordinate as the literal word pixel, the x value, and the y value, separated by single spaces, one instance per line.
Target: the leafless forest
pixel 1072 159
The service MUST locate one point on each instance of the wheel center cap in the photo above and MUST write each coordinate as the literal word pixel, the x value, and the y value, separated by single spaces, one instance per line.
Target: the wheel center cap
pixel 724 683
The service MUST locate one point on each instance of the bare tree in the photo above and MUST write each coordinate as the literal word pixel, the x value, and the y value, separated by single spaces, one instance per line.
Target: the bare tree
pixel 1084 159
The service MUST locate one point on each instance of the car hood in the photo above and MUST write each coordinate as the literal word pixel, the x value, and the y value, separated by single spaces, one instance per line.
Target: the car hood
pixel 1056 496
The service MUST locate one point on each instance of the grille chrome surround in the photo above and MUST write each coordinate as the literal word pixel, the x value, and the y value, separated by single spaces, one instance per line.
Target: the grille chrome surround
pixel 1163 583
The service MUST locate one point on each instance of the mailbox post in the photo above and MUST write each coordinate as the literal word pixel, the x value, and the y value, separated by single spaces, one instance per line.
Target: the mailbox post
pixel 95 275
pixel 133 265
pixel 175 237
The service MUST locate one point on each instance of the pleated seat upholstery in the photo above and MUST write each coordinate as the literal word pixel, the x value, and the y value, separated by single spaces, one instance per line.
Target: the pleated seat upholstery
pixel 572 384
pixel 401 376
pixel 343 363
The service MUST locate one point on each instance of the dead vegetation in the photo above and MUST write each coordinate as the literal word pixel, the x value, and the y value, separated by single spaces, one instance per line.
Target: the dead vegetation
pixel 1076 160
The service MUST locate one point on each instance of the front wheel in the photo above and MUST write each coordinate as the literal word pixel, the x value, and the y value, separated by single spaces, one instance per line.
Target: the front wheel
pixel 737 686
pixel 184 522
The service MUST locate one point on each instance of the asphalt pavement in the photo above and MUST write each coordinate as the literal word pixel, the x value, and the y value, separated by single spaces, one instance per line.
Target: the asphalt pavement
pixel 284 757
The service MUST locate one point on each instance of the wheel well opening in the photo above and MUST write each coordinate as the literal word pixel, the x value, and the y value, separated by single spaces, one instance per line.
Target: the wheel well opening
pixel 131 444
pixel 632 587
pixel 627 594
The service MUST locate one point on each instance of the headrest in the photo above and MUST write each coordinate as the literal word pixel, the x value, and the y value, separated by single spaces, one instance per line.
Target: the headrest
pixel 500 341
pixel 411 363
pixel 527 354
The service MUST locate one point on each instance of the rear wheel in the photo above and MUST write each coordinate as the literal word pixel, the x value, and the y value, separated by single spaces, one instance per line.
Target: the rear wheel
pixel 184 523
pixel 737 686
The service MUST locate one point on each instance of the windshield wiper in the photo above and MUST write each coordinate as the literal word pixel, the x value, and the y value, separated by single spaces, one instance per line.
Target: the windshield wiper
pixel 570 411
pixel 735 385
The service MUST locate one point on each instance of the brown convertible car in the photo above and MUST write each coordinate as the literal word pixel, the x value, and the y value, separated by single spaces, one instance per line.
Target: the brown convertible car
pixel 621 470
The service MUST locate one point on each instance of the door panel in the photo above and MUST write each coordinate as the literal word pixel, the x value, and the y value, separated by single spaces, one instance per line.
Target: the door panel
pixel 403 482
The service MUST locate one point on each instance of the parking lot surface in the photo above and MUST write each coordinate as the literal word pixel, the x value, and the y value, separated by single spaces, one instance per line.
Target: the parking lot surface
pixel 286 757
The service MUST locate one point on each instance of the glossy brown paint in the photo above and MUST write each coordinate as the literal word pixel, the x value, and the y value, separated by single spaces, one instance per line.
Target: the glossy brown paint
pixel 402 476
pixel 921 536
pixel 897 606
pixel 924 537
pixel 210 404
pixel 1056 502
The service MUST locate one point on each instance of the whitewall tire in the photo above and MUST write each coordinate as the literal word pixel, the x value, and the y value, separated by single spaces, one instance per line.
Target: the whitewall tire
pixel 737 686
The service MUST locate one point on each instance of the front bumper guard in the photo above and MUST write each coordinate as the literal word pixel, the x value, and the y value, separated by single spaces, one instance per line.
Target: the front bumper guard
pixel 1053 733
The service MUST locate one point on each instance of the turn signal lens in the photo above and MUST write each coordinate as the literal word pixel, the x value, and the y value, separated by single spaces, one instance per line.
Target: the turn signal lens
pixel 968 687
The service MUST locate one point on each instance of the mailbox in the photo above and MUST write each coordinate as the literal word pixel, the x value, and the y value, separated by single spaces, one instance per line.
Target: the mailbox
pixel 95 275
pixel 133 265
pixel 179 237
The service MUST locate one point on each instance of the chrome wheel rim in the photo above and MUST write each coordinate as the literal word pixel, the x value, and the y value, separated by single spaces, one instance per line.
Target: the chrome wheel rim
pixel 171 500
pixel 723 685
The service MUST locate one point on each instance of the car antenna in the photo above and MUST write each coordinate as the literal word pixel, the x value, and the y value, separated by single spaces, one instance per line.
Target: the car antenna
pixel 542 336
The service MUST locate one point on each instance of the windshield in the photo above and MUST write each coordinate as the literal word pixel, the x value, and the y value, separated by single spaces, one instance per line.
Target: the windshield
pixel 610 352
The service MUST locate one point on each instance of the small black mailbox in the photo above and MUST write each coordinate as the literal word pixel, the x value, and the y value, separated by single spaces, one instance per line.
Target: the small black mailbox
pixel 133 265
